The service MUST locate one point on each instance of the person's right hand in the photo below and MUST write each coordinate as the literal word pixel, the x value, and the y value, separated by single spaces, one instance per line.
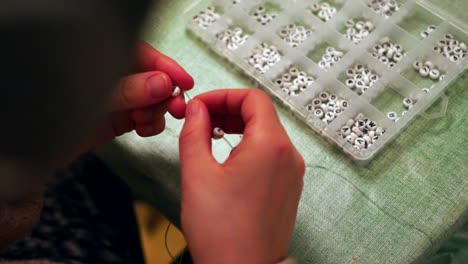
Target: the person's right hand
pixel 244 210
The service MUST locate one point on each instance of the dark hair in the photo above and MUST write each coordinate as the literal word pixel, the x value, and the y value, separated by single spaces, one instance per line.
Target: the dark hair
pixel 59 61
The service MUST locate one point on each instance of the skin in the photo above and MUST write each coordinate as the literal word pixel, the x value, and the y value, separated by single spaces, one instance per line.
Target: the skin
pixel 242 211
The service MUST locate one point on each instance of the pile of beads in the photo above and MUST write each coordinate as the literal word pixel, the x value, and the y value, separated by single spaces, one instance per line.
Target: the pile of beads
pixel 327 106
pixel 385 8
pixel 324 10
pixel 451 48
pixel 427 69
pixel 387 52
pixel 264 57
pixel 330 58
pixel 293 81
pixel 233 38
pixel 262 16
pixel 206 18
pixel 428 31
pixel 358 30
pixel 361 132
pixel 294 35
pixel 407 103
pixel 360 78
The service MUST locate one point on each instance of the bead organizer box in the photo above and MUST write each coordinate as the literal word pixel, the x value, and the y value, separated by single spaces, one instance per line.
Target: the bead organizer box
pixel 356 71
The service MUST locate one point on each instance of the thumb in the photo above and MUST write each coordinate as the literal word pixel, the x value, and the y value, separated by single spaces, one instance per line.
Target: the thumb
pixel 195 139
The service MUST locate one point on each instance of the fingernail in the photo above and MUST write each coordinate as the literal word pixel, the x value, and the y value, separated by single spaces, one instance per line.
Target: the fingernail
pixel 157 86
pixel 193 108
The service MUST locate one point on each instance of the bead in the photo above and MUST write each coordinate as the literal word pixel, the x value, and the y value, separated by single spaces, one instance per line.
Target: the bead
pixel 360 143
pixel 316 102
pixel 429 64
pixel 426 90
pixel 333 97
pixel 356 131
pixel 330 116
pixel 344 104
pixel 392 116
pixel 218 133
pixel 407 102
pixel 350 122
pixel 176 91
pixel 346 130
pixel 359 116
pixel 417 65
pixel 434 74
pixel 319 113
pixel 424 72
pixel 324 96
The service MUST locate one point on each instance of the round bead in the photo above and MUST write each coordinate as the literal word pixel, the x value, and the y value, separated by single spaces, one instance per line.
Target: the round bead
pixel 429 64
pixel 218 133
pixel 434 74
pixel 424 72
pixel 360 143
pixel 344 104
pixel 417 65
pixel 319 113
pixel 330 116
pixel 407 102
pixel 346 130
pixel 392 116
pixel 176 91
pixel 324 96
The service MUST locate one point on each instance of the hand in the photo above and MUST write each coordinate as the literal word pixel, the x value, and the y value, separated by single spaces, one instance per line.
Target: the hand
pixel 242 211
pixel 141 100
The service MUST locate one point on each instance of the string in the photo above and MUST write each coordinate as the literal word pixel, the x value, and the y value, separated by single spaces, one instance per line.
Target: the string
pixel 165 242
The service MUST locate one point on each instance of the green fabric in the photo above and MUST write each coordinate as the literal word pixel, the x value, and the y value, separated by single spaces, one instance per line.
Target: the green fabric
pixel 400 208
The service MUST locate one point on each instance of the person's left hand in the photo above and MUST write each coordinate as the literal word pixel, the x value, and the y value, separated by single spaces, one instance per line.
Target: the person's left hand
pixel 141 100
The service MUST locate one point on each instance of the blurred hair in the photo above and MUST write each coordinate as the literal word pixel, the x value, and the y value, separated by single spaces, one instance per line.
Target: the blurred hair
pixel 59 62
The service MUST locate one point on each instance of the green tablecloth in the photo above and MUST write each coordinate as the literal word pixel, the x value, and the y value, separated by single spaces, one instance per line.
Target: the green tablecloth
pixel 400 208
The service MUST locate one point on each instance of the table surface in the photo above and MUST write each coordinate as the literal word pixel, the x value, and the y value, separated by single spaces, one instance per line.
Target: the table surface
pixel 399 208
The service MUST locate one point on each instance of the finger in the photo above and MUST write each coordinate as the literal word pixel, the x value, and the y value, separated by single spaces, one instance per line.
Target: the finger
pixel 152 60
pixel 253 106
pixel 195 139
pixel 147 115
pixel 176 106
pixel 142 89
pixel 152 129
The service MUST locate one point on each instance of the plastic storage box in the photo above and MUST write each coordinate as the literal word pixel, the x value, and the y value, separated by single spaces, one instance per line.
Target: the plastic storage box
pixel 238 29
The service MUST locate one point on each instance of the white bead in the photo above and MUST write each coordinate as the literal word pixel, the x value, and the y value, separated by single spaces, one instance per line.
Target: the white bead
pixel 350 122
pixel 429 64
pixel 350 83
pixel 434 74
pixel 359 116
pixel 324 96
pixel 356 131
pixel 424 72
pixel 218 133
pixel 392 116
pixel 319 113
pixel 417 65
pixel 407 102
pixel 360 143
pixel 344 104
pixel 330 116
pixel 176 91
